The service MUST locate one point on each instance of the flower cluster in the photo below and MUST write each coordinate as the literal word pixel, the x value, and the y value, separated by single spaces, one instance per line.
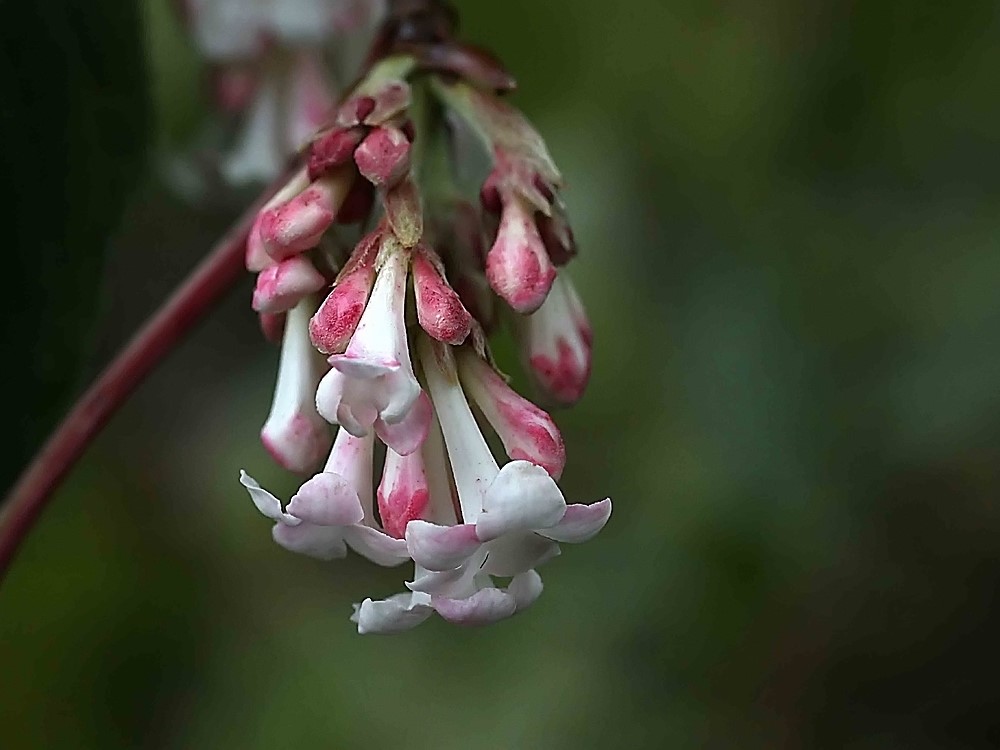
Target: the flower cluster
pixel 270 72
pixel 396 354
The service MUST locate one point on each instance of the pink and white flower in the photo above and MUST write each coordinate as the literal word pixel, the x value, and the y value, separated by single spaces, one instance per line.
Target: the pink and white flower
pixel 556 344
pixel 372 385
pixel 333 509
pixel 295 434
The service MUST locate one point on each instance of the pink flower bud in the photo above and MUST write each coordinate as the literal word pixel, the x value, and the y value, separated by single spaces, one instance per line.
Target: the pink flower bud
pixel 440 312
pixel 334 323
pixel 354 111
pixel 280 287
pixel 556 344
pixel 402 494
pixel 384 156
pixel 517 266
pixel 526 431
pixel 257 258
pixel 297 225
pixel 332 149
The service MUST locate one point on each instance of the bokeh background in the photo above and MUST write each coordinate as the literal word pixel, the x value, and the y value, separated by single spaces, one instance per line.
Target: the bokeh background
pixel 789 216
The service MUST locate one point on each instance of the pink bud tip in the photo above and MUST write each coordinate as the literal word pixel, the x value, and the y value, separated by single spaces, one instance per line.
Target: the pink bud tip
pixel 334 323
pixel 297 225
pixel 564 377
pixel 280 287
pixel 297 445
pixel 403 493
pixel 517 266
pixel 440 312
pixel 354 111
pixel 257 258
pixel 332 150
pixel 384 156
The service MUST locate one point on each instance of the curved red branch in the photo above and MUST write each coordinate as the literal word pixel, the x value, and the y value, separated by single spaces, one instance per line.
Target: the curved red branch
pixel 205 286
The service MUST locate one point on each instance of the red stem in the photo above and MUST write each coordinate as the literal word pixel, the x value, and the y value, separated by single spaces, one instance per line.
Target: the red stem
pixel 205 286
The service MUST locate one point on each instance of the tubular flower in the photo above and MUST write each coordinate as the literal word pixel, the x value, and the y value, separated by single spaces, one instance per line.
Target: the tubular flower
pixel 402 322
pixel 271 72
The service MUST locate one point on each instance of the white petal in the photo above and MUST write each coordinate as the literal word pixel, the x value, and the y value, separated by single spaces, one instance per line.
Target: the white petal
pixel 327 500
pixel 525 588
pixel 321 542
pixel 397 614
pixel 472 462
pixel 377 546
pixel 440 547
pixel 522 497
pixel 516 553
pixel 329 394
pixel 266 503
pixel 486 606
pixel 407 435
pixel 580 522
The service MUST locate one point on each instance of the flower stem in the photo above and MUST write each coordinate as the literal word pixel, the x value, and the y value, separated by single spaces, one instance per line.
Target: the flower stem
pixel 205 286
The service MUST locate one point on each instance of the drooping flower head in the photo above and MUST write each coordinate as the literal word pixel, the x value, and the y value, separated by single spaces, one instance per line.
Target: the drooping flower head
pixel 387 342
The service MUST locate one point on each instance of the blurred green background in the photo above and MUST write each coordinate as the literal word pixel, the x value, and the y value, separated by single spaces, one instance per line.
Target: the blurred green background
pixel 789 217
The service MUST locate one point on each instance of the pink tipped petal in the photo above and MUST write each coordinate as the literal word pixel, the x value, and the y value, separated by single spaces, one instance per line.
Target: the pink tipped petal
pixel 256 257
pixel 528 433
pixel 580 522
pixel 297 225
pixel 381 331
pixel 332 149
pixel 377 546
pixel 327 500
pixel 383 158
pixel 406 436
pixel 556 344
pixel 525 588
pixel 486 606
pixel 266 503
pixel 321 542
pixel 294 433
pixel 336 320
pixel 517 266
pixel 515 553
pixel 522 497
pixel 402 494
pixel 439 309
pixel 397 614
pixel 440 548
pixel 282 286
pixel 379 382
